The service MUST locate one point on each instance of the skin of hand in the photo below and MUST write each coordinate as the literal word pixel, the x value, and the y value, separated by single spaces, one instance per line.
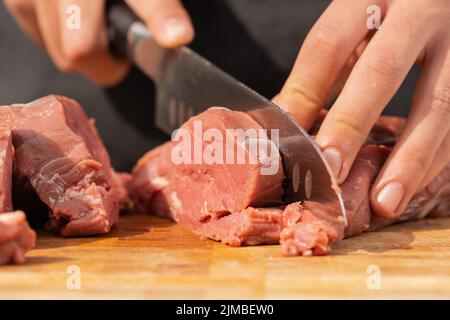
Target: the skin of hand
pixel 412 31
pixel 85 50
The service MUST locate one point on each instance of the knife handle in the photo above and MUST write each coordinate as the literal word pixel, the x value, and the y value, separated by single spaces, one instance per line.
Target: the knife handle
pixel 120 18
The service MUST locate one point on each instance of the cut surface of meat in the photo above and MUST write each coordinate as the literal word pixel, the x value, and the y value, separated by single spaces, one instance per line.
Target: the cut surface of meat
pixel 309 229
pixel 251 226
pixel 16 237
pixel 223 202
pixel 61 165
pixel 59 156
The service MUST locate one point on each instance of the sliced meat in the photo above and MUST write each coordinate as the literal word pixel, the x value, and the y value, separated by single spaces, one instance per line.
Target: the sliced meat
pixel 16 237
pixel 60 157
pixel 309 229
pixel 249 227
pixel 218 201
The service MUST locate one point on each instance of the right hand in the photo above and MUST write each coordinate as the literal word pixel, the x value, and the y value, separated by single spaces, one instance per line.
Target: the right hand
pixel 85 50
pixel 409 32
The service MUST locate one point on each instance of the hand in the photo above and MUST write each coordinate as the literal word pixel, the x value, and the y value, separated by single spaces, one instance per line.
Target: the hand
pixel 411 31
pixel 85 50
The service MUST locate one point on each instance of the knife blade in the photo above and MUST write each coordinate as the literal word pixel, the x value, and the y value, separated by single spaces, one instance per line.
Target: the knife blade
pixel 188 84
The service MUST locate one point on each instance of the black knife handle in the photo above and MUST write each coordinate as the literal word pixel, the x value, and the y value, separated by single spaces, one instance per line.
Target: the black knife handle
pixel 119 20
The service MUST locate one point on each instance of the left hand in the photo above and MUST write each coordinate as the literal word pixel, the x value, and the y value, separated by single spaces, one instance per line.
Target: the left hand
pixel 411 31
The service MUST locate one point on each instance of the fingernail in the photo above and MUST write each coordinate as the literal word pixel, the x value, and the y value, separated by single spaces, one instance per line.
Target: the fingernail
pixel 390 197
pixel 175 29
pixel 334 159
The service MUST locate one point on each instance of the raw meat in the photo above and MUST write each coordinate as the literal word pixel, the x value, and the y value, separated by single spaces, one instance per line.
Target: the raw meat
pixel 214 200
pixel 221 201
pixel 60 164
pixel 60 158
pixel 6 159
pixel 16 237
pixel 434 200
pixel 309 228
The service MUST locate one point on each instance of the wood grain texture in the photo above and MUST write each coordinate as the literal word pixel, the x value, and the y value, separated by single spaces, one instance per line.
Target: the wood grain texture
pixel 148 257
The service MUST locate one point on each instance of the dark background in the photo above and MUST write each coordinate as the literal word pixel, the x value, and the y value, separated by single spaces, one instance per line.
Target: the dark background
pixel 254 40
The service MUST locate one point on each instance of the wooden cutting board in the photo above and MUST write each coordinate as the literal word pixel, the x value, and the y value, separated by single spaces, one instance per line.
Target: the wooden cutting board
pixel 148 257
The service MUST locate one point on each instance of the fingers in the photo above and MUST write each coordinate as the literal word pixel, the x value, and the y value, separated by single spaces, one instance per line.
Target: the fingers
pixel 327 48
pixel 424 146
pixel 441 159
pixel 373 81
pixel 167 19
pixel 85 49
pixel 81 47
pixel 25 14
pixel 47 13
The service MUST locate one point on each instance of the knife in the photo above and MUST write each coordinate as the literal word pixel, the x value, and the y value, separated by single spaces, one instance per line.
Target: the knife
pixel 188 84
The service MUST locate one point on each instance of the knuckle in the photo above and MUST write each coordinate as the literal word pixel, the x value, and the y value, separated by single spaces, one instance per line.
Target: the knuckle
pixel 418 160
pixel 351 125
pixel 445 147
pixel 64 65
pixel 384 67
pixel 440 104
pixel 323 38
pixel 17 5
pixel 296 91
pixel 74 53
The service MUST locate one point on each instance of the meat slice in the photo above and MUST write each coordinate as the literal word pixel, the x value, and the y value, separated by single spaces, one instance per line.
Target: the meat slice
pixel 220 201
pixel 59 156
pixel 249 227
pixel 16 237
pixel 309 229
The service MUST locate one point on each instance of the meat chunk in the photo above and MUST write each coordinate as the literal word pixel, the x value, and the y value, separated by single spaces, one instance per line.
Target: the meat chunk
pixel 311 228
pixel 6 159
pixel 434 200
pixel 213 198
pixel 221 202
pixel 16 237
pixel 59 156
pixel 249 227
